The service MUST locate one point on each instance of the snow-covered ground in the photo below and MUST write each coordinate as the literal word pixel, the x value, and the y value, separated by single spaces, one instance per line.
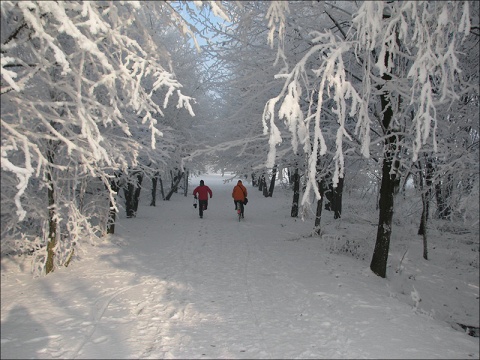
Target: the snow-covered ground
pixel 171 285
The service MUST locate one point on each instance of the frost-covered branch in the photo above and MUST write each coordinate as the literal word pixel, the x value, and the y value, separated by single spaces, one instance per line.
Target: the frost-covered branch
pixel 415 43
pixel 84 57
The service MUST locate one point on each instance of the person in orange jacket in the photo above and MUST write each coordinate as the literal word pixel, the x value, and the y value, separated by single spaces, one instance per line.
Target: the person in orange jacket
pixel 202 191
pixel 239 194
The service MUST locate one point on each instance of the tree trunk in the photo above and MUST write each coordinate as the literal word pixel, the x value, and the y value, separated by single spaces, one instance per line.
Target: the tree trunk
pixel 390 182
pixel 154 189
pixel 264 187
pixel 296 193
pixel 337 199
pixel 132 195
pixel 424 229
pixel 175 181
pixel 161 187
pixel 128 192
pixel 175 185
pixel 261 182
pixel 318 214
pixel 112 214
pixel 328 192
pixel 136 198
pixel 384 231
pixel 426 194
pixel 424 216
pixel 272 181
pixel 52 222
pixel 185 184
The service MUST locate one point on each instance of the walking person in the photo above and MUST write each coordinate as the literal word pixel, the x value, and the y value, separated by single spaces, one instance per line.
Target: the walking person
pixel 201 192
pixel 239 195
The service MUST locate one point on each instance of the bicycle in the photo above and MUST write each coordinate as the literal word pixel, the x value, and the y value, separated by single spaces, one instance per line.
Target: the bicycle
pixel 238 206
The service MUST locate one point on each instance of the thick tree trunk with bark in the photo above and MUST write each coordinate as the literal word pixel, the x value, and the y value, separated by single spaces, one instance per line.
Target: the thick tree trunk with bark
pixel 384 230
pixel 296 193
pixel 390 182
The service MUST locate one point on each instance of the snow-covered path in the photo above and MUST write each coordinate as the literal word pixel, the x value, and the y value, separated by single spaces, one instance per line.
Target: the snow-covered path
pixel 171 285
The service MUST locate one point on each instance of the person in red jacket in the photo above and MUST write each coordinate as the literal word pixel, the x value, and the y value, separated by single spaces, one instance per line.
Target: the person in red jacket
pixel 239 194
pixel 201 192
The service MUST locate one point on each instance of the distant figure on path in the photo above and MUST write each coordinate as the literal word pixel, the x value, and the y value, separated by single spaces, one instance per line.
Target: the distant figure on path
pixel 239 194
pixel 202 191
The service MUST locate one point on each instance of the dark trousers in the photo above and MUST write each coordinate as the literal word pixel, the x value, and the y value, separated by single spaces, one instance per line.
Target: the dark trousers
pixel 239 203
pixel 202 205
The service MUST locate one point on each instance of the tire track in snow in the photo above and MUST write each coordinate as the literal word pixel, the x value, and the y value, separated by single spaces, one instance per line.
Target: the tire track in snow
pixel 150 328
pixel 97 318
pixel 248 290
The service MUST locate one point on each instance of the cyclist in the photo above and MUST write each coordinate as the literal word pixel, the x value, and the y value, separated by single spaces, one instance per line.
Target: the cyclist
pixel 239 194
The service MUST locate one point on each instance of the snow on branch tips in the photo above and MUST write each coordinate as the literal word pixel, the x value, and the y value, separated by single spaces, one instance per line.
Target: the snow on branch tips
pixel 334 85
pixel 275 135
pixel 276 14
pixel 218 10
pixel 7 75
pixel 435 69
pixel 23 174
pixel 421 40
pixel 30 12
pixel 184 102
pixel 292 113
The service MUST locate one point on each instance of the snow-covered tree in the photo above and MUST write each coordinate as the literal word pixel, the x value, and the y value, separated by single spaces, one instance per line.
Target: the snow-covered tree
pixel 80 81
pixel 244 80
pixel 407 57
